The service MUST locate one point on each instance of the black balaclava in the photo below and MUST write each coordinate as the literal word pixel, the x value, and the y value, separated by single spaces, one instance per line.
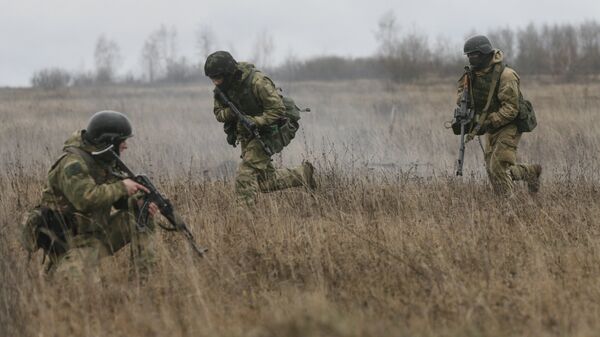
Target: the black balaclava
pixel 478 60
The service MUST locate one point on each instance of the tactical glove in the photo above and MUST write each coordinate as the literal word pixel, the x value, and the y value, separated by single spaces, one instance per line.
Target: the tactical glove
pixel 249 124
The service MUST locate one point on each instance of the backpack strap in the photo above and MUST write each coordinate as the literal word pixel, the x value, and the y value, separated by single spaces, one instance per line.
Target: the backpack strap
pixel 250 77
pixel 58 161
pixel 87 158
pixel 498 69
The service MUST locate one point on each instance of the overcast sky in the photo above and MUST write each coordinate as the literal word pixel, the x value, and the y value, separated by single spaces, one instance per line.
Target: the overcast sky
pixel 43 33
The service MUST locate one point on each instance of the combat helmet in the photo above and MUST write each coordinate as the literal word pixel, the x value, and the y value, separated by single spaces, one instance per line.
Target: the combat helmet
pixel 478 43
pixel 108 127
pixel 219 63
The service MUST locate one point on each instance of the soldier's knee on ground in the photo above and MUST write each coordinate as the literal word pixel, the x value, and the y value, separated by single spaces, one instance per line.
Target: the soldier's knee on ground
pixel 77 264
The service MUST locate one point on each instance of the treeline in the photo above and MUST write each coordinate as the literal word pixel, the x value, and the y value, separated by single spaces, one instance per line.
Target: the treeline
pixel 564 51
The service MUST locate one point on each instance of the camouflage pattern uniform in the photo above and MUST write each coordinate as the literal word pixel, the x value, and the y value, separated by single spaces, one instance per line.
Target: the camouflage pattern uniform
pixel 502 137
pixel 256 95
pixel 99 210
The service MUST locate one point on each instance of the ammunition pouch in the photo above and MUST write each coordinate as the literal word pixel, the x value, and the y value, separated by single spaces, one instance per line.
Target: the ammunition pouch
pixel 279 135
pixel 230 130
pixel 47 229
pixel 526 120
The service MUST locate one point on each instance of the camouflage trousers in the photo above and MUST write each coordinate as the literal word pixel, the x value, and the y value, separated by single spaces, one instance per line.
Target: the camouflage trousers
pixel 257 174
pixel 501 160
pixel 85 250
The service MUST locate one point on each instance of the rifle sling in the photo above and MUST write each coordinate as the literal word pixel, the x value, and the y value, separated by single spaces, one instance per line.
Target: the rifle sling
pixel 498 69
pixel 87 158
pixel 91 162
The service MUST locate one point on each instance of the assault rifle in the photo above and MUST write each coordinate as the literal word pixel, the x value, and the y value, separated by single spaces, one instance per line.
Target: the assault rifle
pixel 463 116
pixel 247 123
pixel 154 196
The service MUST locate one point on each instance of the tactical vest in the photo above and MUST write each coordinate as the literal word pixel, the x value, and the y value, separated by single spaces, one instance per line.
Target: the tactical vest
pixel 480 89
pixel 48 225
pixel 243 97
pixel 525 121
pixel 100 173
pixel 275 136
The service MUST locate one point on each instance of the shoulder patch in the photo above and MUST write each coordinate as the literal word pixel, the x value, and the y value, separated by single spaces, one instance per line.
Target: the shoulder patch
pixel 73 169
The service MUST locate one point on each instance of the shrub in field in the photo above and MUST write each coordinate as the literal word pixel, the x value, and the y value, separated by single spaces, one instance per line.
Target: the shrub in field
pixel 50 78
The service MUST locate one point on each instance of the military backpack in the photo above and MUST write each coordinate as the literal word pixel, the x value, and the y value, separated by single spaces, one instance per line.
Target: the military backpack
pixel 276 136
pixel 280 135
pixel 526 120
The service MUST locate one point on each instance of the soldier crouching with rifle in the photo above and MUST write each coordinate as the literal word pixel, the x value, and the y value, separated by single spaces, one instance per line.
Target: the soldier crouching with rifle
pixel 261 121
pixel 490 103
pixel 93 205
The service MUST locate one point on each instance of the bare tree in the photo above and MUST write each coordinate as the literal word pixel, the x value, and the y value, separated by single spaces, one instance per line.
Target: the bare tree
pixel 159 52
pixel 206 41
pixel 414 49
pixel 151 60
pixel 264 46
pixel 166 39
pixel 179 71
pixel 50 78
pixel 446 57
pixel 290 67
pixel 107 56
pixel 504 39
pixel 387 35
pixel 561 45
pixel 532 56
pixel 589 46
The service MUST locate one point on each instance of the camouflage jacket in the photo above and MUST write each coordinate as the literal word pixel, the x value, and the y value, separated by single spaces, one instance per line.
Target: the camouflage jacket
pixel 75 188
pixel 265 93
pixel 505 106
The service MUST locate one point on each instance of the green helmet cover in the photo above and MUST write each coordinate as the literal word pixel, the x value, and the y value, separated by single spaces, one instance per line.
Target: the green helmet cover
pixel 108 127
pixel 219 63
pixel 478 43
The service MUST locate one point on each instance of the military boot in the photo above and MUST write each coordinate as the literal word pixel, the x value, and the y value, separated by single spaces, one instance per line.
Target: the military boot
pixel 309 175
pixel 533 179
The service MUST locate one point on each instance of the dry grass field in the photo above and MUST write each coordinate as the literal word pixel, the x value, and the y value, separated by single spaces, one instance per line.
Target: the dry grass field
pixel 390 244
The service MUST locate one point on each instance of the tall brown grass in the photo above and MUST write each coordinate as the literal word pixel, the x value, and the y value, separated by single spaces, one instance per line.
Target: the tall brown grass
pixel 389 244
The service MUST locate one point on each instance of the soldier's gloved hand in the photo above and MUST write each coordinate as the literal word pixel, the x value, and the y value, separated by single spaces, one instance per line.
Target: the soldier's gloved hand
pixel 485 127
pixel 133 187
pixel 249 124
